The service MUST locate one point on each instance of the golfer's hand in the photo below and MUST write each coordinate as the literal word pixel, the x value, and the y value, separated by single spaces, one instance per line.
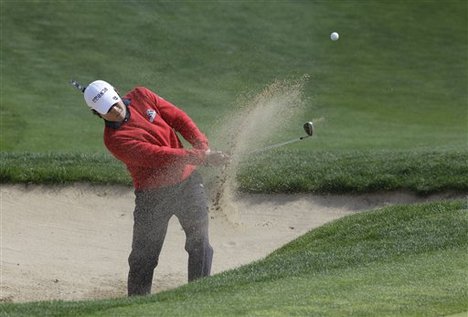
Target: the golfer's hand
pixel 216 158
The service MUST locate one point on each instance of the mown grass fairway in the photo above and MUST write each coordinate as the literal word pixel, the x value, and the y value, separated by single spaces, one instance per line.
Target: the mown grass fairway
pixel 401 260
pixel 396 79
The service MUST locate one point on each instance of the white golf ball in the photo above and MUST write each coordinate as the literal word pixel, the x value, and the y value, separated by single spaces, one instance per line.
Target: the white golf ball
pixel 334 36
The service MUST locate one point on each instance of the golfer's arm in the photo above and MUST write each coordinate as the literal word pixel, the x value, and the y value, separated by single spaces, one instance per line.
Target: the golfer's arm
pixel 183 124
pixel 180 121
pixel 137 153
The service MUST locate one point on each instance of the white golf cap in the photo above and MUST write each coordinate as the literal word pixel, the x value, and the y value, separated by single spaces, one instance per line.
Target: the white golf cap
pixel 100 96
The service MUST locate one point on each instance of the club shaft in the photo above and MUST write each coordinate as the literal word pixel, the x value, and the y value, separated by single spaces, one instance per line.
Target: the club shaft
pixel 277 145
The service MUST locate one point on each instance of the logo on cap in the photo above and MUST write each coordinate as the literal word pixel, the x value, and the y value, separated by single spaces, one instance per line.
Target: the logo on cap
pixel 99 95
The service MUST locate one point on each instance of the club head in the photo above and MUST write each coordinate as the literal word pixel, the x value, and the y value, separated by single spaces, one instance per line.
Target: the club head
pixel 309 128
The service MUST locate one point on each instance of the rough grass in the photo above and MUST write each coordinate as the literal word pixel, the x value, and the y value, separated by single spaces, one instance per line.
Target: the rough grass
pixel 422 172
pixel 399 260
pixel 286 171
pixel 56 168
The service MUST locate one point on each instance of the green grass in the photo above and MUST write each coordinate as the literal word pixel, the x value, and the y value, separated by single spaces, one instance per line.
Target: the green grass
pixel 422 172
pixel 280 171
pixel 393 93
pixel 396 79
pixel 408 89
pixel 399 260
pixel 56 168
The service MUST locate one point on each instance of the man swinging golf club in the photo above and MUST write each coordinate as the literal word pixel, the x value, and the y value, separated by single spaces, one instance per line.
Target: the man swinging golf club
pixel 140 130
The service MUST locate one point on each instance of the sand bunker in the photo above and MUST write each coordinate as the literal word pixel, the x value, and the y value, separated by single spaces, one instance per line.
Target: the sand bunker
pixel 72 242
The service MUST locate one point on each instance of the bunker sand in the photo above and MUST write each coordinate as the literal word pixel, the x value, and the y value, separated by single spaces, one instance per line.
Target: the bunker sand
pixel 72 243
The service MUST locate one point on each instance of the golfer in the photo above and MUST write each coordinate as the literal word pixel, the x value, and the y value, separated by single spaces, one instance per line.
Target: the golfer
pixel 140 130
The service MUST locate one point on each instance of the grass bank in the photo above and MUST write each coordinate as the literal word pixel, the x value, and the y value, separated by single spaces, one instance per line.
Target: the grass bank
pixel 399 260
pixel 281 171
pixel 422 172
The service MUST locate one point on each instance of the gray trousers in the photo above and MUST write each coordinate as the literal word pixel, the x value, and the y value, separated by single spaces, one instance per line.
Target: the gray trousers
pixel 153 209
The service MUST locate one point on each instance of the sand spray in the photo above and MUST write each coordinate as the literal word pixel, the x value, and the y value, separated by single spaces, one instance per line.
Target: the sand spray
pixel 256 120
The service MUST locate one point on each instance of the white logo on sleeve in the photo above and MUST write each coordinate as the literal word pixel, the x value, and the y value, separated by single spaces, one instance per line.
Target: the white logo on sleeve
pixel 151 114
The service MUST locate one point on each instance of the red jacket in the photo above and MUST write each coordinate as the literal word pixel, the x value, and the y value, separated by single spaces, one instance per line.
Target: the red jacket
pixel 148 144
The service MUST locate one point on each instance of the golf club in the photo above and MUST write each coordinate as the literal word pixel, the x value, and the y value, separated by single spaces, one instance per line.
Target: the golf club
pixel 309 130
pixel 77 85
